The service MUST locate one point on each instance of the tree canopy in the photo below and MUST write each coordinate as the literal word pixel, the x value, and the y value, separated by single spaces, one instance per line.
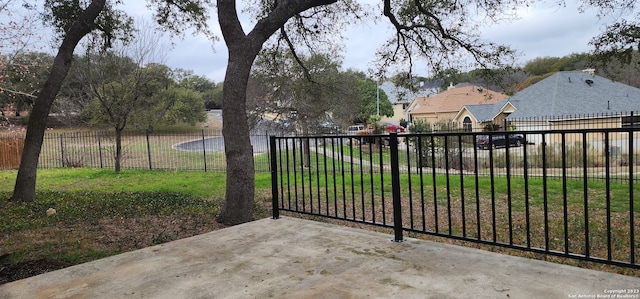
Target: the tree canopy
pixel 619 40
pixel 316 90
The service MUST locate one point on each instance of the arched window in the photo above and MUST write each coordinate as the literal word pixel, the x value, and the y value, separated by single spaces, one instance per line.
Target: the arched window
pixel 466 124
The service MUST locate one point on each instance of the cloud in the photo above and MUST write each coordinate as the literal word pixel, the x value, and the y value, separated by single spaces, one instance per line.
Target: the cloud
pixel 547 30
pixel 361 44
pixel 199 54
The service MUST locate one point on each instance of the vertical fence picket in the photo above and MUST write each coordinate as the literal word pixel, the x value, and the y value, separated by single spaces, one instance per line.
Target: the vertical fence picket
pixel 100 149
pixel 204 150
pixel 585 192
pixel 395 183
pixel 492 177
pixel 409 185
pixel 509 192
pixel 476 178
pixel 525 175
pixel 463 211
pixel 434 178
pixel 565 207
pixel 419 165
pixel 448 183
pixel 631 153
pixel 62 156
pixel 607 167
pixel 148 148
pixel 545 193
pixel 275 210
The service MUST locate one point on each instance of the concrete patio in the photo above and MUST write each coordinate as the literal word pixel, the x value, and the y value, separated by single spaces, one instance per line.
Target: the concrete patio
pixel 295 258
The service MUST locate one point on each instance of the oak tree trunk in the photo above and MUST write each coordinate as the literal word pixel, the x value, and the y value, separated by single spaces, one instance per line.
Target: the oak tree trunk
pixel 243 49
pixel 25 187
pixel 118 156
pixel 240 190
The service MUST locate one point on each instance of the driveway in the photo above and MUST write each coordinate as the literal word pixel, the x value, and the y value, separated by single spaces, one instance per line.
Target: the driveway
pixel 259 137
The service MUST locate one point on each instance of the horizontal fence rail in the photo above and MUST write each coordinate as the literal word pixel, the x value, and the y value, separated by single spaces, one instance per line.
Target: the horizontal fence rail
pixel 195 150
pixel 614 119
pixel 567 193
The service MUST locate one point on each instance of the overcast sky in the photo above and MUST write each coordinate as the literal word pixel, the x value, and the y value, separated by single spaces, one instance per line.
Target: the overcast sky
pixel 542 30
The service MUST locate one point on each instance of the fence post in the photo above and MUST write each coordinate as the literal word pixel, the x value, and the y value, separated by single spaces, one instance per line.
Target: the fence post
pixel 631 162
pixel 395 187
pixel 148 148
pixel 100 149
pixel 266 134
pixel 204 152
pixel 274 178
pixel 62 149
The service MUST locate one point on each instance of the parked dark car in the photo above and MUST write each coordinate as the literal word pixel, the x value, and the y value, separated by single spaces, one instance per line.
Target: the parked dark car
pixel 499 140
pixel 327 127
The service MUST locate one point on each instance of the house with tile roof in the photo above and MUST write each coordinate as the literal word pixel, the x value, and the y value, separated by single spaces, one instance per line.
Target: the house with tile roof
pixel 443 107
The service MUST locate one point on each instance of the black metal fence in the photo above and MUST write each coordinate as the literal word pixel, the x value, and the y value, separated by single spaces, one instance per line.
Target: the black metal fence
pixel 193 150
pixel 568 193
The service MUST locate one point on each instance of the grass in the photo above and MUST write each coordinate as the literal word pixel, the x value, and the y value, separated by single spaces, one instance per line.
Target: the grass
pixel 100 213
pixel 198 184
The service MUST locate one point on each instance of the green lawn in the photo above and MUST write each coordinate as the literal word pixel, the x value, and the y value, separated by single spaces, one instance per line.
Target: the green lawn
pixel 100 213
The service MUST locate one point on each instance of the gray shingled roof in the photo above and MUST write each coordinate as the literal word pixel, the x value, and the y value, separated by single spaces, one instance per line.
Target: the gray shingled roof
pixel 485 112
pixel 570 93
pixel 397 94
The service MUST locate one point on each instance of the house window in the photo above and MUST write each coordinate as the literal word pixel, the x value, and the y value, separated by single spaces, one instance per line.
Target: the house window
pixel 631 121
pixel 466 124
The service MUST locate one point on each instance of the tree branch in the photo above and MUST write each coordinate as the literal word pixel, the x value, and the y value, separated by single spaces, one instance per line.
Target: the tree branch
pixel 284 11
pixel 292 49
pixel 18 92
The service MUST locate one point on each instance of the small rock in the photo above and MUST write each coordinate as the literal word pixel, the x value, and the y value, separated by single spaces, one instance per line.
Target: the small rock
pixel 51 211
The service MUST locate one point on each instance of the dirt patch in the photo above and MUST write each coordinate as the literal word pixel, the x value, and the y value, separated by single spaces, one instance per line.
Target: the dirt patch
pixel 22 270
pixel 91 240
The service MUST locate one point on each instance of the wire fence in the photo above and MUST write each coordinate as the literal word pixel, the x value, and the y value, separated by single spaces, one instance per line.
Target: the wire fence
pixel 193 151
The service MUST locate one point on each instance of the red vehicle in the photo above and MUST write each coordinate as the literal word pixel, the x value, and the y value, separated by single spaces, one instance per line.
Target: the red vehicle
pixel 394 128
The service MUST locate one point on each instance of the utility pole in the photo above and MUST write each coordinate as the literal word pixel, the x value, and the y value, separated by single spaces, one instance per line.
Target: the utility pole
pixel 377 98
